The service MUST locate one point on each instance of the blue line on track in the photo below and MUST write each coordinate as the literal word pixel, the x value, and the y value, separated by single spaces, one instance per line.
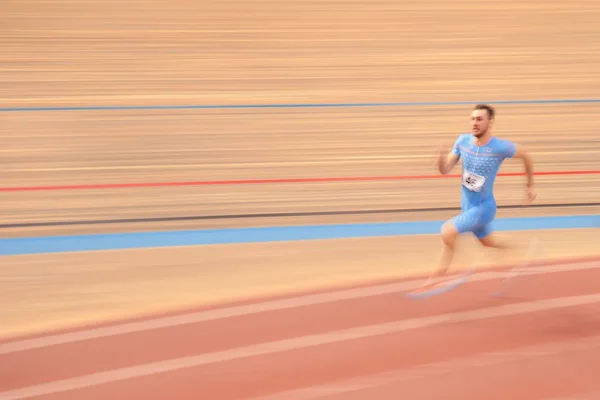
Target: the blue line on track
pixel 117 241
pixel 297 105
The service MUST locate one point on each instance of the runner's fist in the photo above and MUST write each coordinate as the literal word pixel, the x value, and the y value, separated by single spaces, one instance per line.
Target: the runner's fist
pixel 531 194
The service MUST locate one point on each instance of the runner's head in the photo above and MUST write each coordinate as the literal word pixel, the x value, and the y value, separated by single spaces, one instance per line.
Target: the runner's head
pixel 482 119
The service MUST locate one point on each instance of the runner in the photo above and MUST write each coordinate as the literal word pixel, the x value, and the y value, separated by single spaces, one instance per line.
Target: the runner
pixel 482 155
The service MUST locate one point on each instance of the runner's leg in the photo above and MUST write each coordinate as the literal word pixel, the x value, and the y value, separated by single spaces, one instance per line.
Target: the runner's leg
pixel 449 233
pixel 490 240
pixel 468 221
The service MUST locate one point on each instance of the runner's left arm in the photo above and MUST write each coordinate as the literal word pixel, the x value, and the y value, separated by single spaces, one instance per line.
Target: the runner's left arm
pixel 522 154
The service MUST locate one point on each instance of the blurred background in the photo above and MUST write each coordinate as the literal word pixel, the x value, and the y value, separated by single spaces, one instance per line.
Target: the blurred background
pixel 156 116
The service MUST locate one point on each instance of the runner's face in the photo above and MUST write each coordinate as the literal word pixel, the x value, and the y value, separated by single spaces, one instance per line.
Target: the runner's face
pixel 479 122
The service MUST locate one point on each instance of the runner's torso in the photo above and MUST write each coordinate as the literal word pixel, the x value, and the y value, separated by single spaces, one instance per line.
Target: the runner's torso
pixel 480 165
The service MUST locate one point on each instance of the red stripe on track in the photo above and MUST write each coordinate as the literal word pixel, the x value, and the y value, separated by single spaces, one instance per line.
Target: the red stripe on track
pixel 242 377
pixel 223 334
pixel 287 296
pixel 270 181
pixel 260 376
pixel 527 376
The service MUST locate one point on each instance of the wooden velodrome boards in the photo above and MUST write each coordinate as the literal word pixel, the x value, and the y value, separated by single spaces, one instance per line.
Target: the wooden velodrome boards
pixel 155 53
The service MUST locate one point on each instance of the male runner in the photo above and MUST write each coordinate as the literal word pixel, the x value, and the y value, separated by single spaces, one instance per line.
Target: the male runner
pixel 482 155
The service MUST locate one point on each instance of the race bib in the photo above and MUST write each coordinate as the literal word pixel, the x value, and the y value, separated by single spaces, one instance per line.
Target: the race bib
pixel 472 181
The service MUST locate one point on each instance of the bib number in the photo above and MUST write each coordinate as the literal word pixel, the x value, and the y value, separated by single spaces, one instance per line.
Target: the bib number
pixel 472 181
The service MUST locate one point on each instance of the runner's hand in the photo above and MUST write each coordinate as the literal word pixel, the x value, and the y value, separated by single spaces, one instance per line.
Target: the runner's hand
pixel 442 152
pixel 440 160
pixel 531 194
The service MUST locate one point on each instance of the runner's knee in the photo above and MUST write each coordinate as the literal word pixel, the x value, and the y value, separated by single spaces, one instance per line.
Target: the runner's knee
pixel 449 233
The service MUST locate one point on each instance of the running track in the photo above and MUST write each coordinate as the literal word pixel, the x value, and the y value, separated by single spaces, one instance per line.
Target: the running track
pixel 540 341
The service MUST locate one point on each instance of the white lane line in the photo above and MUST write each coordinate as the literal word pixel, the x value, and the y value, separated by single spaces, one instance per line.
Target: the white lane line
pixel 435 369
pixel 274 305
pixel 301 342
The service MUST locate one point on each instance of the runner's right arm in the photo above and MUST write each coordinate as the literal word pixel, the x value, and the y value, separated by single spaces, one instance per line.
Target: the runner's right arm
pixel 447 161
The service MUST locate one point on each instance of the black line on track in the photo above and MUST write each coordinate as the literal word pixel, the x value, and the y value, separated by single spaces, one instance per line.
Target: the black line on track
pixel 271 215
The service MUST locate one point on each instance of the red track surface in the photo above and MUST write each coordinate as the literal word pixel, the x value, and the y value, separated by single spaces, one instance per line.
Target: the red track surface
pixel 545 336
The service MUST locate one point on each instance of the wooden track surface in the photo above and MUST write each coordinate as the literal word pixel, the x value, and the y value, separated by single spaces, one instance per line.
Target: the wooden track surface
pixel 201 146
pixel 232 52
pixel 238 52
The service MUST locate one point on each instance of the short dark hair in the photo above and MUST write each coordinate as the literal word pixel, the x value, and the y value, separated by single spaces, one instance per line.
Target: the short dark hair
pixel 490 110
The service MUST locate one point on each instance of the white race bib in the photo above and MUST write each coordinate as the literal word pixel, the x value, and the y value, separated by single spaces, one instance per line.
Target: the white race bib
pixel 472 181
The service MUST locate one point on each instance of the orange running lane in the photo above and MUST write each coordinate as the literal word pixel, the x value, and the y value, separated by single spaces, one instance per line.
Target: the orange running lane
pixel 353 340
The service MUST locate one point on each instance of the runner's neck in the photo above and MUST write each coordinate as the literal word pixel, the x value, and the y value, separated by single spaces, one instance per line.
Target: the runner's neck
pixel 482 141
